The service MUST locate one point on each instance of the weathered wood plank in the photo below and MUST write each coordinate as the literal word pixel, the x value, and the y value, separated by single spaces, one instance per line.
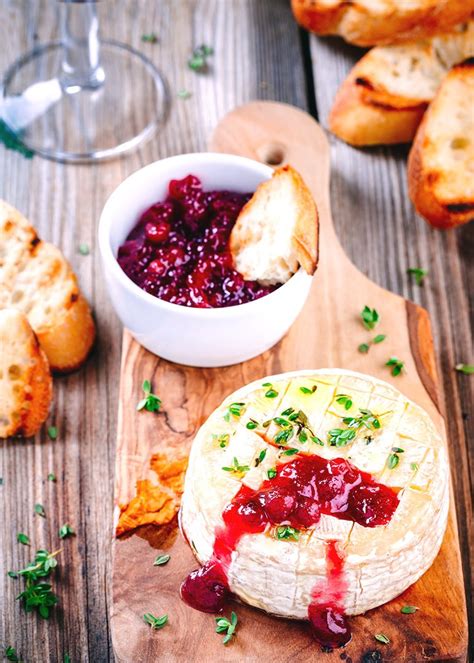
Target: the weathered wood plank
pixel 383 235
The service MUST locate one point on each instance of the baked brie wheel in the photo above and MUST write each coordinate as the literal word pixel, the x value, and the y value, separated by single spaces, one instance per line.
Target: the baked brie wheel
pixel 372 491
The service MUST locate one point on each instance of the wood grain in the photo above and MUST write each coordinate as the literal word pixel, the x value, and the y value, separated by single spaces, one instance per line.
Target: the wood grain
pixel 325 335
pixel 258 56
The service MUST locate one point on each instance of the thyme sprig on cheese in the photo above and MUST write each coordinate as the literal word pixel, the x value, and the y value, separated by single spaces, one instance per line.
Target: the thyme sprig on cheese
pixel 235 410
pixel 340 437
pixel 285 532
pixel 237 468
pixel 293 423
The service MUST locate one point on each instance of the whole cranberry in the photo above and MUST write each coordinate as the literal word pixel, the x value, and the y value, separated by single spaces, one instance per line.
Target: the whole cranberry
pixel 206 588
pixel 306 513
pixel 278 503
pixel 179 189
pixel 371 506
pixel 157 233
pixel 157 267
pixel 246 517
pixel 329 625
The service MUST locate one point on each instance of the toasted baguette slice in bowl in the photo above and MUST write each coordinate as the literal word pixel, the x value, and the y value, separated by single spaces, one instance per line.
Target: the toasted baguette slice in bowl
pixel 25 379
pixel 385 96
pixel 36 279
pixel 380 22
pixel 277 230
pixel 441 160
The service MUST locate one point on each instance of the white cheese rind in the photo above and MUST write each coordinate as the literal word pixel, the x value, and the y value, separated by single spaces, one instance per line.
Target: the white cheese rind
pixel 381 562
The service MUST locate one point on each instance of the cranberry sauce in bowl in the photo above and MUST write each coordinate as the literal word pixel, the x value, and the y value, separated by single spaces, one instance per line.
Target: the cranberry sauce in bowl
pixel 179 249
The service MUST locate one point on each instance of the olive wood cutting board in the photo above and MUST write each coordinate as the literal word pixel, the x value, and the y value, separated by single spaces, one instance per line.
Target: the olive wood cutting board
pixel 327 334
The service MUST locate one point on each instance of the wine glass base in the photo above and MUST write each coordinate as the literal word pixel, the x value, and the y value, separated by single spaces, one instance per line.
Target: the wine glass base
pixel 80 124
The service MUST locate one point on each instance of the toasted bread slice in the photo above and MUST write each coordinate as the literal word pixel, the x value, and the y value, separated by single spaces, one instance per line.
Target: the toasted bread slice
pixel 381 22
pixel 385 96
pixel 25 380
pixel 277 230
pixel 36 279
pixel 441 161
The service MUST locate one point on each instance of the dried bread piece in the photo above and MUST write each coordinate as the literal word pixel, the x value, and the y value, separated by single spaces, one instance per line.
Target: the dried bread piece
pixel 441 161
pixel 381 22
pixel 385 96
pixel 25 380
pixel 277 230
pixel 36 279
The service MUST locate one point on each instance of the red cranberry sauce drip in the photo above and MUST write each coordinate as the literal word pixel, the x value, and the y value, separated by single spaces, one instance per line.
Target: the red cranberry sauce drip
pixel 179 249
pixel 301 491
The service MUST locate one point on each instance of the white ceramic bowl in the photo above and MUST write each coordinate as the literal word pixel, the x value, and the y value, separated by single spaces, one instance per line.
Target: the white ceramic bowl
pixel 193 336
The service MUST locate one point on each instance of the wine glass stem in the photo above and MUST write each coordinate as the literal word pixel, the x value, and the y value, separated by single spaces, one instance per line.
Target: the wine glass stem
pixel 80 38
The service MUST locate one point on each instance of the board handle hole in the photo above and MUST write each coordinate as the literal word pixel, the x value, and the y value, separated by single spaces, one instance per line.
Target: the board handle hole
pixel 272 154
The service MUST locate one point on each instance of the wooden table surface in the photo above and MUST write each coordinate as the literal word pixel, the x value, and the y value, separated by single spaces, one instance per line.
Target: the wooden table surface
pixel 259 54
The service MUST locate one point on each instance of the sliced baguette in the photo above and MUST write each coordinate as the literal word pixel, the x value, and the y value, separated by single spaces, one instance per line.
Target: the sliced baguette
pixel 277 230
pixel 441 160
pixel 381 22
pixel 25 379
pixel 385 96
pixel 36 279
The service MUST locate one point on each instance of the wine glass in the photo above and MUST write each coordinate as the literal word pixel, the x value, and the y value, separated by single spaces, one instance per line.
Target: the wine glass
pixel 81 98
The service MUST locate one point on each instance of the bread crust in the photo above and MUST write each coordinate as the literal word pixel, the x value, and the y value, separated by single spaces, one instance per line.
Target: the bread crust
pixel 37 279
pixel 26 384
pixel 305 232
pixel 423 179
pixel 393 23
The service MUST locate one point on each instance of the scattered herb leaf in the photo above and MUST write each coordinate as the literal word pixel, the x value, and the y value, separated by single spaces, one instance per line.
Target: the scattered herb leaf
pixel 382 638
pixel 83 249
pixel 252 424
pixel 198 60
pixel 419 273
pixel 317 440
pixel 283 532
pixel 393 461
pixel 223 439
pixel 38 595
pixel 363 348
pixel 11 655
pixel 223 625
pixel 339 437
pixel 397 365
pixel 183 94
pixel 290 452
pixel 52 432
pixel 370 317
pixel 236 468
pixel 344 400
pixel 235 409
pixel 39 509
pixel 52 477
pixel 23 539
pixel 271 473
pixel 408 609
pixel 271 393
pixel 379 338
pixel 65 531
pixel 150 38
pixel 161 560
pixel 260 457
pixel 306 390
pixel 150 402
pixel 413 467
pixel 467 369
pixel 155 622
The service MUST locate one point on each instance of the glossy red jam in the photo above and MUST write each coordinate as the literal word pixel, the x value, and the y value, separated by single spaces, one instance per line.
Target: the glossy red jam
pixel 179 249
pixel 301 491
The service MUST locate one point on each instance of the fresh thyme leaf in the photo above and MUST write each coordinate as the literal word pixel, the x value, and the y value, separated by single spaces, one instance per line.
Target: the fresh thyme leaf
pixel 155 622
pixel 413 467
pixel 305 390
pixel 39 509
pixel 393 461
pixel 287 412
pixel 236 467
pixel 83 249
pixel 161 560
pixel 408 609
pixel 67 658
pixel 344 400
pixel 283 436
pixel 12 574
pixel 363 348
pixel 150 38
pixel 266 384
pixel 339 437
pixel 261 457
pixel 52 432
pixel 284 423
pixel 302 437
pixel 223 439
pixel 151 402
pixel 65 531
pixel 23 539
pixel 397 450
pixel 183 94
pixel 198 60
pixel 419 273
pixel 317 440
pixel 271 473
pixel 51 477
pixel 290 452
pixel 37 593
pixel 396 365
pixel 11 655
pixel 467 369
pixel 235 409
pixel 382 638
pixel 370 317
pixel 223 625
pixel 379 338
pixel 271 393
pixel 252 424
pixel 285 532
